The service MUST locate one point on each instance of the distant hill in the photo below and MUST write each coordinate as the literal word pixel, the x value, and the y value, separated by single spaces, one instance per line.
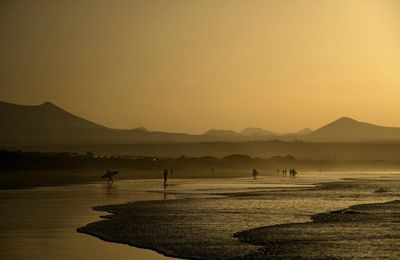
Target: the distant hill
pixel 46 115
pixel 254 131
pixel 48 124
pixel 305 131
pixel 346 129
pixel 141 129
pixel 216 132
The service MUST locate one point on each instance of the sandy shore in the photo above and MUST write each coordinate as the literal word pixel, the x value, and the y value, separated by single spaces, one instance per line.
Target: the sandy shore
pixel 254 224
pixel 361 231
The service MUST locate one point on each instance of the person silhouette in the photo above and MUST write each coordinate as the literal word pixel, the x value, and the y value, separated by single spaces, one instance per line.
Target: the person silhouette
pixel 293 173
pixel 165 178
pixel 255 174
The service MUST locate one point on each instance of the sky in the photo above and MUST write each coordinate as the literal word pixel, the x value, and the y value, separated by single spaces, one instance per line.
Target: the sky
pixel 188 66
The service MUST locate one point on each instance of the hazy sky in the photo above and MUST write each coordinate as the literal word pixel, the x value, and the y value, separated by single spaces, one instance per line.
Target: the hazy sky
pixel 193 65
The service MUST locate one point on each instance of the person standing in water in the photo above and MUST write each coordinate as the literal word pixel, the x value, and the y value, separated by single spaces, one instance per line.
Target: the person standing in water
pixel 165 178
pixel 255 174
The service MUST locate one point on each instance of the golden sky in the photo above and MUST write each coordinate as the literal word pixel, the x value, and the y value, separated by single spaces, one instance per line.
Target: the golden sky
pixel 188 66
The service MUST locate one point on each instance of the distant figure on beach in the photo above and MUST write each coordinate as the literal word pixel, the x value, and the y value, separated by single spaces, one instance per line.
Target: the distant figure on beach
pixel 284 171
pixel 212 170
pixel 165 178
pixel 255 174
pixel 109 174
pixel 293 173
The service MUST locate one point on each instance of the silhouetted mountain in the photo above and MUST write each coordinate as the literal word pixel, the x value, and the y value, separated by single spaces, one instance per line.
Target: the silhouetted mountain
pixel 46 115
pixel 346 129
pixel 141 129
pixel 47 124
pixel 254 131
pixel 305 131
pixel 216 132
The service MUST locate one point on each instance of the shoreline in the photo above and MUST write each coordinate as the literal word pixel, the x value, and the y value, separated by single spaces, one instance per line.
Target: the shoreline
pixel 17 180
pixel 55 213
pixel 246 236
pixel 124 214
pixel 132 244
pixel 294 240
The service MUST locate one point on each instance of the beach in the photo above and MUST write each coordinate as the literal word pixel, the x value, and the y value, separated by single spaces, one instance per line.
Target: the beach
pixel 360 231
pixel 193 218
pixel 41 222
pixel 230 219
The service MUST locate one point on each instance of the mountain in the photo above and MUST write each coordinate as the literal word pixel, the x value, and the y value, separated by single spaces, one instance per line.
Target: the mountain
pixel 346 129
pixel 48 124
pixel 254 131
pixel 305 131
pixel 141 129
pixel 216 132
pixel 46 115
pixel 44 124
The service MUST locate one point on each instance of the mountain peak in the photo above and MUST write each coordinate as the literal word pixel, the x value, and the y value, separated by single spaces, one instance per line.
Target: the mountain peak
pixel 141 128
pixel 47 103
pixel 256 131
pixel 43 116
pixel 345 119
pixel 305 131
pixel 348 129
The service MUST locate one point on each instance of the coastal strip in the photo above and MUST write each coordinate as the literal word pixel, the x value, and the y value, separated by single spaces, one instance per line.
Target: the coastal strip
pixel 238 226
pixel 360 231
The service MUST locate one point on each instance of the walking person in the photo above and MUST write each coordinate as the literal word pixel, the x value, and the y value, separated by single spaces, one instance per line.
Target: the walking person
pixel 165 178
pixel 255 174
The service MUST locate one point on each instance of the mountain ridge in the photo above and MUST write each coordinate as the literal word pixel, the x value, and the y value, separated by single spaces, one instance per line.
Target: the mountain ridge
pixel 45 115
pixel 219 132
pixel 49 123
pixel 257 131
pixel 349 129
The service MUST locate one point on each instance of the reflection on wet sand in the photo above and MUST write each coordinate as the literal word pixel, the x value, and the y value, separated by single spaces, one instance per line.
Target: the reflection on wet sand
pixel 41 223
pixel 44 220
pixel 210 223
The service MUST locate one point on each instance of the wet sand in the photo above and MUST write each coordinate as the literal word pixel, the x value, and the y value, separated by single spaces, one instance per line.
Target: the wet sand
pixel 361 231
pixel 239 225
pixel 41 223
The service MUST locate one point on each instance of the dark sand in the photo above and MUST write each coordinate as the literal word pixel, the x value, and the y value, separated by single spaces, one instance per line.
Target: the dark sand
pixel 214 228
pixel 361 231
pixel 171 229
